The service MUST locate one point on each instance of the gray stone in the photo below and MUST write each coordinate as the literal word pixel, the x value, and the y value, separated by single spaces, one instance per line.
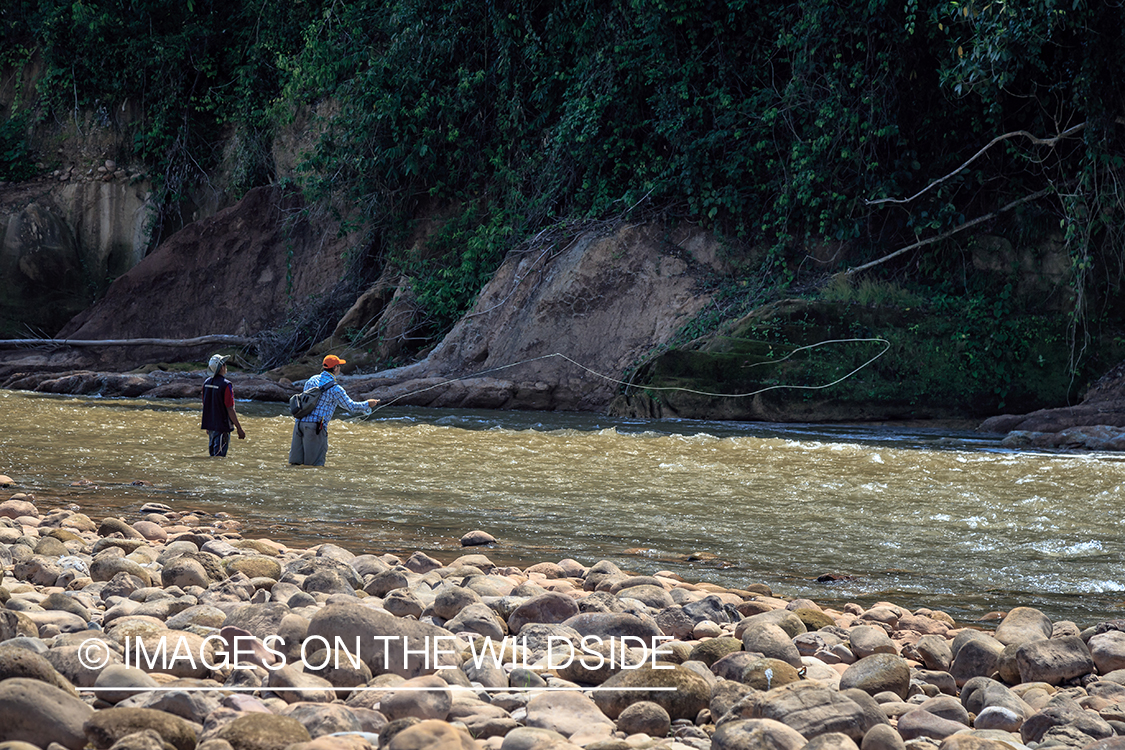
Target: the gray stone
pixel 1108 651
pixel 692 693
pixel 769 640
pixel 877 673
pixel 36 712
pixel 258 731
pixel 450 599
pixel 546 608
pixel 23 662
pixel 382 638
pixel 117 682
pixel 866 640
pixel 756 734
pixel 567 713
pixel 919 723
pixel 998 717
pixel 882 737
pixel 976 657
pixel 478 618
pixel 322 719
pixel 811 710
pixel 295 686
pixel 1054 661
pixel 831 741
pixel 109 725
pixel 1063 710
pixel 426 697
pixel 613 626
pixel 1023 624
pixel 644 717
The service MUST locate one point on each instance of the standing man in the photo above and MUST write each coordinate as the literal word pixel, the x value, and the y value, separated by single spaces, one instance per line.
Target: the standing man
pixel 218 408
pixel 310 433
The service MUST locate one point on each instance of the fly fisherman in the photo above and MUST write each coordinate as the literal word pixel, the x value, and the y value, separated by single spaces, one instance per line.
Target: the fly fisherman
pixel 310 433
pixel 219 417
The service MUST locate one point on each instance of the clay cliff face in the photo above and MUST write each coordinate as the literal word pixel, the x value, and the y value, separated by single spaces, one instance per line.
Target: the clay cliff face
pixel 557 327
pixel 237 272
pixel 63 239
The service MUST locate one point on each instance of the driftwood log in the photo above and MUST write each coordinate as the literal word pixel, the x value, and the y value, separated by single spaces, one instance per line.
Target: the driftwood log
pixel 197 341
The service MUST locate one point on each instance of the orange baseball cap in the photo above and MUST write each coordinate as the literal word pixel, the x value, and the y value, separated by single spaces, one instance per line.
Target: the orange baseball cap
pixel 332 360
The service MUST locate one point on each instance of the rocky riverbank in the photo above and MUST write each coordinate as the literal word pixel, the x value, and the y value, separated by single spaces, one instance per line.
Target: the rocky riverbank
pixel 170 630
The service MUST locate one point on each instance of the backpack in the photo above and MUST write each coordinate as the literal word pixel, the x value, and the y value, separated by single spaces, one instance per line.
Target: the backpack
pixel 302 404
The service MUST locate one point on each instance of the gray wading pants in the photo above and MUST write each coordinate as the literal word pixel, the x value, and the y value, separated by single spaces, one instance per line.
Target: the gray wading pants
pixel 308 447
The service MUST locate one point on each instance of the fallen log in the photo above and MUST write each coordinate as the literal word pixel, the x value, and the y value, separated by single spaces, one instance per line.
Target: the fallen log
pixel 228 340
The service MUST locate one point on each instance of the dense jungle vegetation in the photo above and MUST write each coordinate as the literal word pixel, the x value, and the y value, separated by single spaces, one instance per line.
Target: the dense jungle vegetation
pixel 837 129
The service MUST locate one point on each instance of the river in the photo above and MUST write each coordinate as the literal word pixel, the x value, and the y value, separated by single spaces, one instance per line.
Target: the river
pixel 917 516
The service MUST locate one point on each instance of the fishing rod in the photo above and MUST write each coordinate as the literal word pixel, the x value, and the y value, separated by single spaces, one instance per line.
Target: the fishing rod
pixel 617 381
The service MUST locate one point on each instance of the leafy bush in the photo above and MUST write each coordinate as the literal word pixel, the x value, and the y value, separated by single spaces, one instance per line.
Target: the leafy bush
pixel 16 160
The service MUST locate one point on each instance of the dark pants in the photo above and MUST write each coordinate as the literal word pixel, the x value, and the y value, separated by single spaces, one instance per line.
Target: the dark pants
pixel 218 442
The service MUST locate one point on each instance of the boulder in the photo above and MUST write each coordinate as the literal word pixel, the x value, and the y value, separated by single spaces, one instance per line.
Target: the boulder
pixel 609 625
pixel 690 695
pixel 644 717
pixel 878 673
pixel 1108 651
pixel 476 618
pixel 1054 660
pixel 430 735
pixel 1023 624
pixel 320 719
pixel 426 697
pixel 756 734
pixel 1064 711
pixel 753 670
pixel 449 600
pixel 295 686
pixel 20 662
pixel 977 657
pixel 811 709
pixel 263 731
pixel 545 608
pixel 567 713
pixel 713 649
pixel 866 640
pixel 769 640
pixel 919 723
pixel 882 737
pixel 385 643
pixel 107 726
pixel 41 714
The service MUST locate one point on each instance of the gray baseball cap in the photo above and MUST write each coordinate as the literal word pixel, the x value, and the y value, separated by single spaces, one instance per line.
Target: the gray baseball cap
pixel 216 362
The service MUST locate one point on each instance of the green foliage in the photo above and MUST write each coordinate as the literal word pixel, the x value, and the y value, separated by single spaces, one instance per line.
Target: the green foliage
pixel 964 357
pixel 16 160
pixel 464 254
pixel 869 292
pixel 781 125
pixel 196 71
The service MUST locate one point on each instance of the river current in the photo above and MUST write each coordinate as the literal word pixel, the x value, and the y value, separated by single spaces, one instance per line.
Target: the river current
pixel 917 516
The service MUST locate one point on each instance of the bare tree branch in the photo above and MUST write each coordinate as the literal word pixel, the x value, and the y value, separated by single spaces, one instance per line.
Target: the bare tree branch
pixel 951 232
pixel 1033 138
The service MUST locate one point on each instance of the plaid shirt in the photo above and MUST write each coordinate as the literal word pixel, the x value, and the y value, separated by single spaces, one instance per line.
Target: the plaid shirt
pixel 330 399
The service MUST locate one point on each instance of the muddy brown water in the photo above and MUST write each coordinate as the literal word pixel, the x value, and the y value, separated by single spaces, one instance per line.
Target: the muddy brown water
pixel 918 516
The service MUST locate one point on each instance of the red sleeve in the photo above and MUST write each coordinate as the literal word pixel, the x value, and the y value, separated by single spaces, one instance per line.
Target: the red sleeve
pixel 228 395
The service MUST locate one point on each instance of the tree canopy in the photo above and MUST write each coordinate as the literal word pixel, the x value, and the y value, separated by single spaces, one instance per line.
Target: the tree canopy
pixel 781 125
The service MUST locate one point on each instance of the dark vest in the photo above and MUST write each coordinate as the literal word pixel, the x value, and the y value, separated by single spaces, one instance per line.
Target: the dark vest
pixel 214 410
